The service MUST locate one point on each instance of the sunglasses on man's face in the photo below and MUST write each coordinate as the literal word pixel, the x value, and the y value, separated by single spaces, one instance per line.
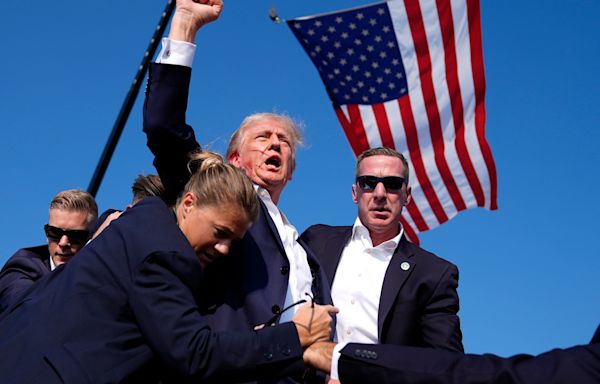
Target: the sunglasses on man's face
pixel 391 183
pixel 75 236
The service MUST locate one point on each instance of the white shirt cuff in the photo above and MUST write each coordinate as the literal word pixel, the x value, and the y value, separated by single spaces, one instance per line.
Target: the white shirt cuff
pixel 334 360
pixel 176 52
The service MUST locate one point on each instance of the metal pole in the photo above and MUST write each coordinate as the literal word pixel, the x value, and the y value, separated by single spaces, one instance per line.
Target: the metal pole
pixel 129 100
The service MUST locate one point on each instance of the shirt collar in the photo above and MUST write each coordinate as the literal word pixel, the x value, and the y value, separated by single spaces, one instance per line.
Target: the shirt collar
pixel 361 233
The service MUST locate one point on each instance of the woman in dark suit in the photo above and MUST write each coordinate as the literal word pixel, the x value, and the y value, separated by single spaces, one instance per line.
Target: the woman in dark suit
pixel 125 309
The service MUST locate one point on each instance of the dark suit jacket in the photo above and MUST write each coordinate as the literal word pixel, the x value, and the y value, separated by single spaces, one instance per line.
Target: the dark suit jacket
pixel 248 286
pixel 391 364
pixel 125 310
pixel 418 306
pixel 19 273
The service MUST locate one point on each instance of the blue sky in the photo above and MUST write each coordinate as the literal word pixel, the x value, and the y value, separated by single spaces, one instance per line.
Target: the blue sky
pixel 528 272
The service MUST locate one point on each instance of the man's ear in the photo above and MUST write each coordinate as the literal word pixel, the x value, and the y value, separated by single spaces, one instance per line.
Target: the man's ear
pixel 355 193
pixel 234 159
pixel 408 196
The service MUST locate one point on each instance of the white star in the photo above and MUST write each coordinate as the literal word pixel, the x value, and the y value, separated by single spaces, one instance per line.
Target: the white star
pixel 346 97
pixel 375 65
pixel 357 41
pixel 331 29
pixel 343 62
pixel 343 83
pixel 367 74
pixel 318 23
pixel 391 85
pixel 383 55
pixel 360 84
pixel 378 39
pixel 313 54
pixel 370 48
pixel 372 89
pixel 348 78
pixel 386 29
pixel 330 55
pixel 344 35
pixel 354 90
pixel 324 38
pixel 297 25
pixel 365 99
pixel 330 76
pixel 360 16
pixel 311 32
pixel 317 48
pixel 399 75
pixel 372 21
pixel 335 90
pixel 350 52
pixel 381 11
pixel 352 26
pixel 365 32
pixel 395 61
pixel 355 68
pixel 363 58
pixel 339 19
pixel 379 80
pixel 383 95
pixel 391 44
pixel 337 44
pixel 403 90
pixel 336 71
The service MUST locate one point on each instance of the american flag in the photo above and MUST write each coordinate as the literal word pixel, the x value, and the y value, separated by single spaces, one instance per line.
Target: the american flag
pixel 408 75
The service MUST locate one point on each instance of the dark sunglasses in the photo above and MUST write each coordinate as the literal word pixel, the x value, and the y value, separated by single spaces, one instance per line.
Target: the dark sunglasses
pixel 391 183
pixel 76 236
pixel 279 312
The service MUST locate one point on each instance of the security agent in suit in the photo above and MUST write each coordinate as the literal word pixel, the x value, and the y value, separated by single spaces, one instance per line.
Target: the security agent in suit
pixel 126 309
pixel 388 290
pixel 70 217
pixel 394 364
pixel 268 270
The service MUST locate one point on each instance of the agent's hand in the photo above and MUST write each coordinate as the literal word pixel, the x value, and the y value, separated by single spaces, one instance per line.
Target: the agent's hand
pixel 313 323
pixel 113 216
pixel 191 15
pixel 319 356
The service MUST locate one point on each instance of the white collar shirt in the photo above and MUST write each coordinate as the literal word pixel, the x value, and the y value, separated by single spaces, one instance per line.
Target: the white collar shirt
pixel 357 285
pixel 300 277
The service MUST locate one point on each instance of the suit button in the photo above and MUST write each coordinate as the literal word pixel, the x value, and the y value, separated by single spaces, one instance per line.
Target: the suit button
pixel 286 350
pixel 374 355
pixel 276 309
pixel 358 353
pixel 284 270
pixel 268 356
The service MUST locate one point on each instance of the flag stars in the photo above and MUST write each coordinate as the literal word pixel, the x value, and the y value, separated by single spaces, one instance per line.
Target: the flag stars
pixel 363 58
pixel 348 78
pixel 318 48
pixel 357 41
pixel 331 29
pixel 399 75
pixel 339 20
pixel 365 32
pixel 383 95
pixel 391 44
pixel 344 35
pixel 343 62
pixel 318 23
pixel 335 90
pixel 346 97
pixel 368 74
pixel 370 48
pixel 360 84
pixel 380 11
pixel 387 71
pixel 343 83
pixel 365 99
pixel 336 71
pixel 378 39
pixel 379 80
pixel 354 90
pixel 373 22
pixel 330 55
pixel 375 65
pixel 391 85
pixel 350 52
pixel 355 68
pixel 311 32
pixel 324 38
pixel 395 61
pixel 337 45
pixel 360 16
pixel 372 90
pixel 386 29
pixel 383 55
pixel 352 26
pixel 297 25
pixel 403 90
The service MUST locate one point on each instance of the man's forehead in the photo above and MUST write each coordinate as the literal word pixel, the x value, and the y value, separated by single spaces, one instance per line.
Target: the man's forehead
pixel 381 164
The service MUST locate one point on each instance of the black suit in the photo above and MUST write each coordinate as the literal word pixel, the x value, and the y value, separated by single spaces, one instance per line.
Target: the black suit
pixel 391 364
pixel 418 305
pixel 248 286
pixel 19 273
pixel 125 310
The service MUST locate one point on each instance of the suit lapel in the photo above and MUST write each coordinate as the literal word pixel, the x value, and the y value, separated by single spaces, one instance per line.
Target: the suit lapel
pixel 333 249
pixel 395 276
pixel 272 227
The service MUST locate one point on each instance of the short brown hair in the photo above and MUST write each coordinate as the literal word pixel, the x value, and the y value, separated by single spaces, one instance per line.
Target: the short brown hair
pixel 291 126
pixel 146 185
pixel 76 200
pixel 216 183
pixel 383 151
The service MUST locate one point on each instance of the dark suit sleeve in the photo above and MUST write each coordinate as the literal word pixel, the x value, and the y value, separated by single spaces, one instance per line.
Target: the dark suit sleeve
pixel 391 364
pixel 164 307
pixel 440 324
pixel 18 274
pixel 168 136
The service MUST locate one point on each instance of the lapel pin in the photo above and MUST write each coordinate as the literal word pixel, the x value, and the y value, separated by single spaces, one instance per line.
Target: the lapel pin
pixel 405 266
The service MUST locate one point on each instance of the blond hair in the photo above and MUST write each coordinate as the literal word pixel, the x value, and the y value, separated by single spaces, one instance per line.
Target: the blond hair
pixel 216 183
pixel 291 127
pixel 76 200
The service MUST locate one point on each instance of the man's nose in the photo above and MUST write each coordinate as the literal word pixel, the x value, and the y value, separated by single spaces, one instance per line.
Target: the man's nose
pixel 64 241
pixel 275 142
pixel 379 191
pixel 223 247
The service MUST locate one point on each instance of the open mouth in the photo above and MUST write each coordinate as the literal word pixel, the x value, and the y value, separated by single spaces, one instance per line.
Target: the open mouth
pixel 273 162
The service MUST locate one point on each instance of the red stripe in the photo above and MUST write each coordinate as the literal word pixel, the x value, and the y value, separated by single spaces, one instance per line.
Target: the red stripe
pixel 355 132
pixel 414 151
pixel 447 27
pixel 417 217
pixel 409 232
pixel 384 126
pixel 479 82
pixel 415 20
